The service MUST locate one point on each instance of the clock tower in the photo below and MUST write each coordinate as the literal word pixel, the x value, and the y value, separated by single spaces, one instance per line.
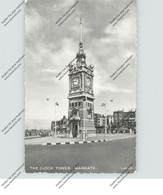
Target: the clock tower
pixel 81 97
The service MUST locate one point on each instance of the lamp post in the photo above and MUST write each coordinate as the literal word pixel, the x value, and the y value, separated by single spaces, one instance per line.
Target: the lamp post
pixel 111 117
pixel 108 119
pixel 105 121
pixel 84 119
pixel 104 105
pixel 55 118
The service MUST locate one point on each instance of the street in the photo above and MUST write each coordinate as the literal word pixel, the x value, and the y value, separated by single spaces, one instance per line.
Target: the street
pixel 112 156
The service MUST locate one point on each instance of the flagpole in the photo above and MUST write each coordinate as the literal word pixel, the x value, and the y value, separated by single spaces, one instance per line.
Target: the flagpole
pixel 81 29
pixel 55 120
pixel 111 116
pixel 103 104
pixel 84 121
pixel 105 121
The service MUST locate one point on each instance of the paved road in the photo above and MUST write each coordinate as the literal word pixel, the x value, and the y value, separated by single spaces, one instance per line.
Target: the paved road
pixel 106 157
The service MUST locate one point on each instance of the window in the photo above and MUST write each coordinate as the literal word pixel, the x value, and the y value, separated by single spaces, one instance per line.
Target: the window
pixel 72 104
pixel 79 103
pixel 75 103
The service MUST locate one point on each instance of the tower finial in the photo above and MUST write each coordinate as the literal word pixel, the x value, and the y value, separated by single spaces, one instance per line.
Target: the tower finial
pixel 81 29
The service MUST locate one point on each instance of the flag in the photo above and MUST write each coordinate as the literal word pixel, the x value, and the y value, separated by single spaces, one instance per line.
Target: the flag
pixel 103 104
pixel 56 104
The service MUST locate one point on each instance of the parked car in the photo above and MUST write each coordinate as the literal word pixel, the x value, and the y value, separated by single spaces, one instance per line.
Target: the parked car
pixel 43 134
pixel 62 135
pixel 123 130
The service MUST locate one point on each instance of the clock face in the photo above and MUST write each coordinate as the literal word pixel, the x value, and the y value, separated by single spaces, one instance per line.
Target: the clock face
pixel 88 81
pixel 75 81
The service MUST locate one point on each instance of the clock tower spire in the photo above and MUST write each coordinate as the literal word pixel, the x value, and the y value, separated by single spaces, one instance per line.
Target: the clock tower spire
pixel 81 97
pixel 81 56
pixel 81 29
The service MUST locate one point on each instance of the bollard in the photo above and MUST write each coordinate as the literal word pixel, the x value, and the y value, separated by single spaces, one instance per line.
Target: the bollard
pixel 84 135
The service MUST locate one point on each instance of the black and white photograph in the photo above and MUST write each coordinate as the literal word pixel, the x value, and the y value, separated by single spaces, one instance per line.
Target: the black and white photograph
pixel 80 86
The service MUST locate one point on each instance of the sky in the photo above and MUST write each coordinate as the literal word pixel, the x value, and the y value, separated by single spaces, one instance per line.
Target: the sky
pixel 49 48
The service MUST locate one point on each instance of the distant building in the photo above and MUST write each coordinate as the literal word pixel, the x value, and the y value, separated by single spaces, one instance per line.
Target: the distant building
pixel 99 120
pixel 130 119
pixel 61 125
pixel 110 122
pixel 118 118
pixel 125 119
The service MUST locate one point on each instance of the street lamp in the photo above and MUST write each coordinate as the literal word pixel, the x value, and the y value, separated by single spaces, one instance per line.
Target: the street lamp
pixel 84 136
pixel 104 105
pixel 110 118
pixel 55 118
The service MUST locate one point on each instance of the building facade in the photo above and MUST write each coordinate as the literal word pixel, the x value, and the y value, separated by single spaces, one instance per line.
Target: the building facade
pixel 99 120
pixel 125 119
pixel 118 118
pixel 61 125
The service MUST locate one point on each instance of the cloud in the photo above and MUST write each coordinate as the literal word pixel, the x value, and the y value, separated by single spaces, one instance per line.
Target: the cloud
pixel 101 85
pixel 33 22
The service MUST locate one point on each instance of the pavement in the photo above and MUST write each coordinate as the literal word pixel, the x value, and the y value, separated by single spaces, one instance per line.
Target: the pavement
pixel 32 137
pixel 55 141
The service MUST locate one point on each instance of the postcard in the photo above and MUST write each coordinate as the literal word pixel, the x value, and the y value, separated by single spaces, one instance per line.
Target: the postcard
pixel 80 86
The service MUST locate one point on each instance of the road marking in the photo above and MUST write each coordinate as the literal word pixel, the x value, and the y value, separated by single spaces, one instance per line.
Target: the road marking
pixel 90 141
